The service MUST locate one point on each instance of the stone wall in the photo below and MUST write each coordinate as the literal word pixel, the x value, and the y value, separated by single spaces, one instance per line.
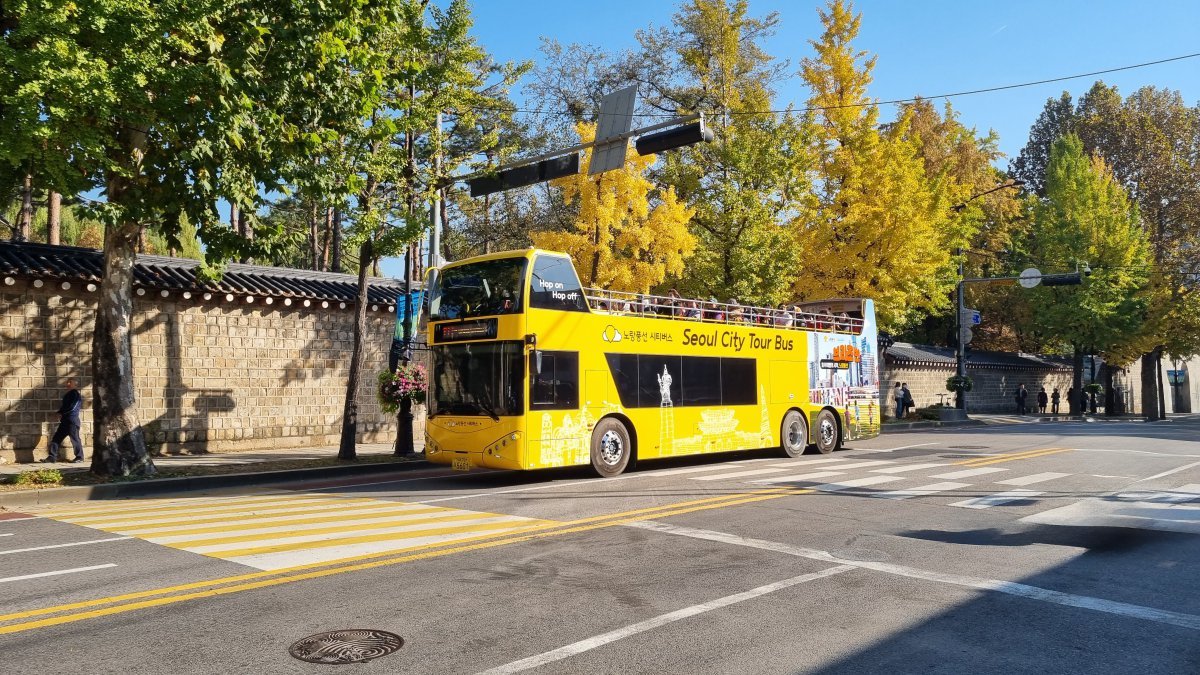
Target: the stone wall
pixel 993 388
pixel 211 375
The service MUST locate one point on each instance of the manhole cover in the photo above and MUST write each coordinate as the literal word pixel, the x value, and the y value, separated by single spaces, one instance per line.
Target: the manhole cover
pixel 968 447
pixel 355 645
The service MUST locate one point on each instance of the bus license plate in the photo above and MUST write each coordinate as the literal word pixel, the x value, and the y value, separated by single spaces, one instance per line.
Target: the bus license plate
pixel 460 464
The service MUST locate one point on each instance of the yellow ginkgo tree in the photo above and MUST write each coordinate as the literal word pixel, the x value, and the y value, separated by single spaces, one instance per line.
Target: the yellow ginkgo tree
pixel 628 235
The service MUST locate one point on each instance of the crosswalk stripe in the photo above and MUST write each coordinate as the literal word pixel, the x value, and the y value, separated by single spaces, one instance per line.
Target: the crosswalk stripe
pixel 922 491
pixel 858 482
pixel 736 474
pixel 996 499
pixel 281 534
pixel 166 505
pixel 862 465
pixel 807 461
pixel 910 467
pixel 1034 478
pixel 691 469
pixel 298 515
pixel 797 477
pixel 292 506
pixel 968 473
pixel 1179 495
pixel 495 523
pixel 372 511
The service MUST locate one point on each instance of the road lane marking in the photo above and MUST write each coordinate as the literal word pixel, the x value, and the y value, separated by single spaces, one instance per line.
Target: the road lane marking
pixel 1147 510
pixel 922 491
pixel 796 477
pixel 967 473
pixel 204 525
pixel 1179 495
pixel 1191 621
pixel 688 469
pixel 803 461
pixel 56 573
pixel 1168 473
pixel 216 587
pixel 909 467
pixel 1014 457
pixel 902 447
pixel 858 482
pixel 736 474
pixel 1033 478
pixel 659 621
pixel 6 534
pixel 862 465
pixel 290 503
pixel 77 543
pixel 156 506
pixel 997 499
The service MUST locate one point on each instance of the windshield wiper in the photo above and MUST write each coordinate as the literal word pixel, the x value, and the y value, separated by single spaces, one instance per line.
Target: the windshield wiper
pixel 489 411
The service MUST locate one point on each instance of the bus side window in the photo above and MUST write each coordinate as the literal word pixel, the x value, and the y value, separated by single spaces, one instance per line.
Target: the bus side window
pixel 555 385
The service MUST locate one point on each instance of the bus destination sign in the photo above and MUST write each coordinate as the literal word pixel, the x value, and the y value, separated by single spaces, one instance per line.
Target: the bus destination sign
pixel 484 329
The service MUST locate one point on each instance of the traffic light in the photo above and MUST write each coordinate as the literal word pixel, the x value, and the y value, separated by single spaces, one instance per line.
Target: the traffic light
pixel 527 174
pixel 670 139
pixel 1072 279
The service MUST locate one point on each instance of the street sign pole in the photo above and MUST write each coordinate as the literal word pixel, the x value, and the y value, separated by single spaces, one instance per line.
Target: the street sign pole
pixel 960 353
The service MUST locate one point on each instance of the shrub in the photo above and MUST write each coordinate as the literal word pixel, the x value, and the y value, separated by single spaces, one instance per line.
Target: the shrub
pixel 958 383
pixel 39 477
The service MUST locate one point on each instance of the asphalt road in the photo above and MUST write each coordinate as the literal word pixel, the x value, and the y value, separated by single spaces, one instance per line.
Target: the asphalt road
pixel 1056 548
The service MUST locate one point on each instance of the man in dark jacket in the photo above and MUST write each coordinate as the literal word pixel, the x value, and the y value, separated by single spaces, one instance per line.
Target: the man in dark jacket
pixel 68 424
pixel 1022 395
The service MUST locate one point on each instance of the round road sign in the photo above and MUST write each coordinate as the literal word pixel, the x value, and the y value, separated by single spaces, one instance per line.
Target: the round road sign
pixel 1030 277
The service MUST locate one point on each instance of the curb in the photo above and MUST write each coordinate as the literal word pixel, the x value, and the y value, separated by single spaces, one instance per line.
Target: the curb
pixel 928 424
pixel 164 486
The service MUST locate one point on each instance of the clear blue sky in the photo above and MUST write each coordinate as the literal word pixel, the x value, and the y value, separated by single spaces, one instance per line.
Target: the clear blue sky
pixel 924 47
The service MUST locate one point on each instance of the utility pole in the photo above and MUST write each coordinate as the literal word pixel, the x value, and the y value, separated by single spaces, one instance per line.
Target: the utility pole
pixel 960 355
pixel 434 257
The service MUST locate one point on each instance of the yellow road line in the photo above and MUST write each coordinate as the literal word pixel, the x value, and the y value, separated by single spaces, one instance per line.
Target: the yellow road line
pixel 160 505
pixel 714 502
pixel 349 541
pixel 156 602
pixel 250 522
pixel 293 505
pixel 1026 454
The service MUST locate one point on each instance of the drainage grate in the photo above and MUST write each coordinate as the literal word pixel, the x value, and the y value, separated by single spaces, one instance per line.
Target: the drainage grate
pixel 355 645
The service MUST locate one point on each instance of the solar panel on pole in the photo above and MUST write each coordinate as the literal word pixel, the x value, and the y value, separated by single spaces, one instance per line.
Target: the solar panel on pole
pixel 616 118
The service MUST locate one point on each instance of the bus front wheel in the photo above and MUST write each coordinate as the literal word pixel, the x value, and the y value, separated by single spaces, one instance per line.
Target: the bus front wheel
pixel 610 448
pixel 793 435
pixel 828 436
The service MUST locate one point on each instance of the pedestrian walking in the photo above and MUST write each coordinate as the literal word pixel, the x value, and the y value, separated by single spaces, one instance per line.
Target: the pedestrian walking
pixel 1054 398
pixel 898 401
pixel 1071 402
pixel 908 399
pixel 1042 400
pixel 1022 395
pixel 68 424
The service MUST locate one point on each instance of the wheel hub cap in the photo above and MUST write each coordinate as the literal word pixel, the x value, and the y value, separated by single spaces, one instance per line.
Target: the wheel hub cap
pixel 611 448
pixel 826 432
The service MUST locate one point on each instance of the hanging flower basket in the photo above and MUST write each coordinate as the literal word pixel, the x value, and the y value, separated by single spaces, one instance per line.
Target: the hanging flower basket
pixel 957 383
pixel 408 383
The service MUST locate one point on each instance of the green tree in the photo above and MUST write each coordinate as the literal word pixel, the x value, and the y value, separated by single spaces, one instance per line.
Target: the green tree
pixel 1087 217
pixel 167 108
pixel 880 228
pixel 752 180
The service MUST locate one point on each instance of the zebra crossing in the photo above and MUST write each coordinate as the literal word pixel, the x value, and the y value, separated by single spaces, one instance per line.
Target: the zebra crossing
pixel 885 479
pixel 279 530
pixel 842 474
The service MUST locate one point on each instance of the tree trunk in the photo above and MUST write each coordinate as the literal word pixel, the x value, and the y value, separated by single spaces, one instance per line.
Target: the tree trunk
pixel 1149 382
pixel 326 239
pixel 1077 397
pixel 1162 391
pixel 54 218
pixel 347 449
pixel 141 240
pixel 1107 375
pixel 118 445
pixel 336 265
pixel 25 218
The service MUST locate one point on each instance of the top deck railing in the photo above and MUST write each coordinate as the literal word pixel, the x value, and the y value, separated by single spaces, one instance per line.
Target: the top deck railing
pixel 672 307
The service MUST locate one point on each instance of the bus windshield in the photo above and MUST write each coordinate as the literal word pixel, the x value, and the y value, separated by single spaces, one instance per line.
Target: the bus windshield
pixel 482 378
pixel 479 289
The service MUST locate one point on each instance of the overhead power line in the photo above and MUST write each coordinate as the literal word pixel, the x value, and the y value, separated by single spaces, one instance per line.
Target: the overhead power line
pixel 897 101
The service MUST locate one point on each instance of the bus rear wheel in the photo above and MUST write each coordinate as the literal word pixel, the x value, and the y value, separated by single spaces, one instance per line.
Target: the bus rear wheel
pixel 793 434
pixel 829 437
pixel 610 448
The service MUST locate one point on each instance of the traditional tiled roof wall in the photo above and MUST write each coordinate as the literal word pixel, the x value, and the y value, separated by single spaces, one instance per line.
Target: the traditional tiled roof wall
pixel 902 354
pixel 41 264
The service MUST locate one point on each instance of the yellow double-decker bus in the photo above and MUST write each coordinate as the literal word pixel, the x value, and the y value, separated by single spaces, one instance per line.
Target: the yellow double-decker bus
pixel 531 370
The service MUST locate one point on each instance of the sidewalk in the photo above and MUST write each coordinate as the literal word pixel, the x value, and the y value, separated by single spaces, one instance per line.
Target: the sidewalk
pixel 186 473
pixel 367 452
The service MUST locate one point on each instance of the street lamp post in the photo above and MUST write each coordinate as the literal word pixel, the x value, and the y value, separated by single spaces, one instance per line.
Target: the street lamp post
pixel 960 353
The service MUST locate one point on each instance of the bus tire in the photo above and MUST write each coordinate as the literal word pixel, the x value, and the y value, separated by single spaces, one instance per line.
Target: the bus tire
pixel 793 434
pixel 828 436
pixel 611 448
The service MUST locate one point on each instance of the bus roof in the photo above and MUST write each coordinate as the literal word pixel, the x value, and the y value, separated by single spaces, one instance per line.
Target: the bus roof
pixel 502 255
